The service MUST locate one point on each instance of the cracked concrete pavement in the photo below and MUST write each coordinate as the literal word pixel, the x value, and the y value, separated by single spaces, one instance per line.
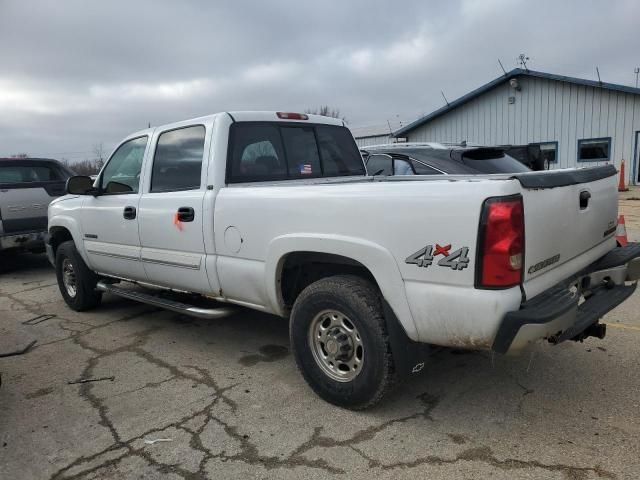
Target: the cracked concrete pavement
pixel 229 397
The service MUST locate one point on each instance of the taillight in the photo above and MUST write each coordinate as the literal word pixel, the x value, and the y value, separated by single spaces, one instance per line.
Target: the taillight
pixel 501 243
pixel 292 116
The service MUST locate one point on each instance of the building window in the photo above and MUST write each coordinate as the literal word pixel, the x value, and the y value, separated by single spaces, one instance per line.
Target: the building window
pixel 594 150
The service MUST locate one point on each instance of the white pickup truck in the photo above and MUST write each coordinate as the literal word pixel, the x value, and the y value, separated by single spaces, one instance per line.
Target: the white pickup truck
pixel 274 211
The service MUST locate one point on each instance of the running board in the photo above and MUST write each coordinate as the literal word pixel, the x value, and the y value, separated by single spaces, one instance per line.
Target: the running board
pixel 157 301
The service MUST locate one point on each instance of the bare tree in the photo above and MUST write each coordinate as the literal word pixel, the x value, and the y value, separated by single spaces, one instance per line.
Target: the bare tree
pixel 20 155
pixel 84 167
pixel 326 111
pixel 99 154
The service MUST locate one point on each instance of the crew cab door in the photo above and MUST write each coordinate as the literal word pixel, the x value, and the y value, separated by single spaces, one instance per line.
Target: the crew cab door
pixel 110 219
pixel 171 209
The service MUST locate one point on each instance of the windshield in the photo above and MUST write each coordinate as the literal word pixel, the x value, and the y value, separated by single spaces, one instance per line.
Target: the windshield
pixel 492 162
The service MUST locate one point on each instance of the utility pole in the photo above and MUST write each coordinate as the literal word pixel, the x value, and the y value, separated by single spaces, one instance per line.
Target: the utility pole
pixel 637 71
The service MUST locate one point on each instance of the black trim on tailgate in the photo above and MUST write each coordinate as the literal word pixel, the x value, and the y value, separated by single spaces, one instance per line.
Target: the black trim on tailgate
pixel 551 179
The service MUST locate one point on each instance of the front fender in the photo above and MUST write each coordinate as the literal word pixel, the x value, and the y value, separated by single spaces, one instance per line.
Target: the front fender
pixel 375 258
pixel 72 225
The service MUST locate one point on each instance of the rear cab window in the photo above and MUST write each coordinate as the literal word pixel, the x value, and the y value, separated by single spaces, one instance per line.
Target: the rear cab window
pixel 269 151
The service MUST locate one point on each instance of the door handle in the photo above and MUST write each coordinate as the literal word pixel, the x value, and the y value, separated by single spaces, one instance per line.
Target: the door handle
pixel 584 199
pixel 186 214
pixel 129 213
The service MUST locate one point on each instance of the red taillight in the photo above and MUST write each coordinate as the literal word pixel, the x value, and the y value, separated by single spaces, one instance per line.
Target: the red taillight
pixel 501 240
pixel 292 116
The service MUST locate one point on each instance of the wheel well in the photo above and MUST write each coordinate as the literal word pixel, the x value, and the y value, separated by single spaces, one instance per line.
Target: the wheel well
pixel 300 269
pixel 58 235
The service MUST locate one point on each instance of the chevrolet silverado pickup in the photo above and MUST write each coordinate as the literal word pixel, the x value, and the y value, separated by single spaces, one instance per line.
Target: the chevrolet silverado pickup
pixel 274 211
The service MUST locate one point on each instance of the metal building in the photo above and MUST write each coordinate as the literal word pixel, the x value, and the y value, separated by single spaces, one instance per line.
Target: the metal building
pixel 375 134
pixel 576 122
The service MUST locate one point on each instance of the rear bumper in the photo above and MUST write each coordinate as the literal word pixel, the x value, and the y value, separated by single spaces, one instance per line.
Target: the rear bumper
pixel 28 241
pixel 558 313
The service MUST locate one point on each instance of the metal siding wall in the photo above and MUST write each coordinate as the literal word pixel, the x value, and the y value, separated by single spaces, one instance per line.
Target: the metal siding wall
pixel 544 111
pixel 634 169
pixel 367 141
pixel 627 143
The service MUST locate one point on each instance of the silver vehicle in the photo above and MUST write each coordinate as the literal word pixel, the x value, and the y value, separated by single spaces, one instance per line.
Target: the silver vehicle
pixel 27 186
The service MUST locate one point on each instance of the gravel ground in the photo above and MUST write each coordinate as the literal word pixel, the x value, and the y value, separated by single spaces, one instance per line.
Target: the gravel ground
pixel 229 399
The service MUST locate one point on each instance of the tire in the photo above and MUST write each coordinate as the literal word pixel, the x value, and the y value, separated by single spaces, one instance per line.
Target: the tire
pixel 85 295
pixel 317 330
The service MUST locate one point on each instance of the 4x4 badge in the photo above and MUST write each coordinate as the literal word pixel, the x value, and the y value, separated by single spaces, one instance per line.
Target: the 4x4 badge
pixel 457 260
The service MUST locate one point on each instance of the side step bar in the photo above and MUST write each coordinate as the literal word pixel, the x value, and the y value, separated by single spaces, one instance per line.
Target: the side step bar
pixel 172 305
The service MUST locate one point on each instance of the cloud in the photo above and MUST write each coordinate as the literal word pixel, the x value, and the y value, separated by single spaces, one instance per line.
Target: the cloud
pixel 76 73
pixel 184 90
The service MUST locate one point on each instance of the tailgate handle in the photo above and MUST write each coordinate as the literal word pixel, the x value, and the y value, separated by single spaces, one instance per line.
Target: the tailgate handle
pixel 584 199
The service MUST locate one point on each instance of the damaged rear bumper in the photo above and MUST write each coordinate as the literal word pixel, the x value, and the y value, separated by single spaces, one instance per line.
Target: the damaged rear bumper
pixel 571 309
pixel 25 241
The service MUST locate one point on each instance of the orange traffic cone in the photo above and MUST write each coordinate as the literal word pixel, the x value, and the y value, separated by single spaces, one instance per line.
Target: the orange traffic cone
pixel 621 232
pixel 621 186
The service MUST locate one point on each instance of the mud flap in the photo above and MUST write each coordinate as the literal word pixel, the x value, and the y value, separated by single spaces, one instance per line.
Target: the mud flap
pixel 409 357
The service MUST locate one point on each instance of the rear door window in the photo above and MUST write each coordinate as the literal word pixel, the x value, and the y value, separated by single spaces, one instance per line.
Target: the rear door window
pixel 177 163
pixel 424 169
pixel 380 165
pixel 261 151
pixel 402 167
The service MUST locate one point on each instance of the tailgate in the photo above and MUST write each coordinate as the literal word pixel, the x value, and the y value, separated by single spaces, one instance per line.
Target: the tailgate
pixel 570 221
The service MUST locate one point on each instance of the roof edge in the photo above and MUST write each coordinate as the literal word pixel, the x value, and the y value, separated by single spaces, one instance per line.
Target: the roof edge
pixel 504 78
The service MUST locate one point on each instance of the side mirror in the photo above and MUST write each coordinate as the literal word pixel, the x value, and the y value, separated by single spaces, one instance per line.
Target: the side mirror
pixel 79 185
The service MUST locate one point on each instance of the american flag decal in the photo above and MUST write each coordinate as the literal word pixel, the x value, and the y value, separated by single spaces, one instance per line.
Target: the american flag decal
pixel 305 169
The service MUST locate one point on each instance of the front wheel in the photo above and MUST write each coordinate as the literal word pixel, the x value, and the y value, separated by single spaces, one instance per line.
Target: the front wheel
pixel 340 343
pixel 76 282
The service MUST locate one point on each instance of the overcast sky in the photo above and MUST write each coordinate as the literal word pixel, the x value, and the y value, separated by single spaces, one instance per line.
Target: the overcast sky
pixel 77 73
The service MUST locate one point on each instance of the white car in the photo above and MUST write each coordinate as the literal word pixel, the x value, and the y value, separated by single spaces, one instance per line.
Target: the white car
pixel 274 211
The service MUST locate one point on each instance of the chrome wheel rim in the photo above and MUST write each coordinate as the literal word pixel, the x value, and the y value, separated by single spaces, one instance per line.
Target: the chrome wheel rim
pixel 69 278
pixel 336 345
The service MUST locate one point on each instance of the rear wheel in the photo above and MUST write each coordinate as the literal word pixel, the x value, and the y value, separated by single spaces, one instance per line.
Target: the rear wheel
pixel 76 282
pixel 340 343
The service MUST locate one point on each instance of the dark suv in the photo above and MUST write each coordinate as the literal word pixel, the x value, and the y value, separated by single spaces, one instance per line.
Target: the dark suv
pixel 26 188
pixel 438 158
